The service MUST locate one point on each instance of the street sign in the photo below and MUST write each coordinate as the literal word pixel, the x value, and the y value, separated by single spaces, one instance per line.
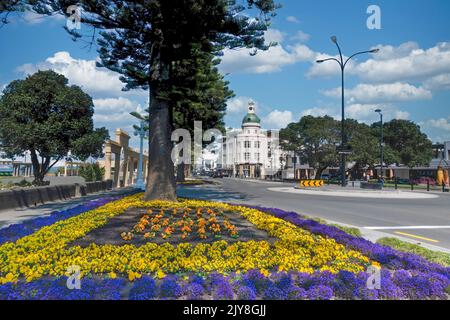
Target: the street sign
pixel 344 150
pixel 311 183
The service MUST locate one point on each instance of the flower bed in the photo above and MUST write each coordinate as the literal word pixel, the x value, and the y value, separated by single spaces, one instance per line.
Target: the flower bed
pixel 252 285
pixel 200 223
pixel 16 231
pixel 307 261
pixel 387 256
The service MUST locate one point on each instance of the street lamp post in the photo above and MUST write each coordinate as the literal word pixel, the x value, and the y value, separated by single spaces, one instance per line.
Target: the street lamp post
pixel 379 111
pixel 343 148
pixel 142 133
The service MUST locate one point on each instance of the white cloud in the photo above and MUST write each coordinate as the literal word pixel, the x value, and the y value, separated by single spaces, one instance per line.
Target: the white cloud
pixel 292 19
pixel 274 35
pixel 440 82
pixel 319 112
pixel 301 36
pixel 278 119
pixel 361 112
pixel 389 52
pixel 272 60
pixel 34 18
pixel 366 112
pixel 114 105
pixel 113 118
pixel 269 61
pixel 83 73
pixel 405 63
pixel 328 68
pixel 391 92
pixel 438 130
pixel 442 124
pixel 418 65
pixel 239 105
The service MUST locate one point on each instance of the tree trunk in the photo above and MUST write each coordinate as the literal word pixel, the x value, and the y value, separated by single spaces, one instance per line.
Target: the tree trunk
pixel 181 174
pixel 319 173
pixel 37 169
pixel 161 174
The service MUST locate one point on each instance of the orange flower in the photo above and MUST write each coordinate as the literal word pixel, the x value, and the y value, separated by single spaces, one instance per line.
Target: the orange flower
pixel 156 227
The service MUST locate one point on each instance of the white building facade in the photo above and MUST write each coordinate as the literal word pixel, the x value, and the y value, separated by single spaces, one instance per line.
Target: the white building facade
pixel 251 152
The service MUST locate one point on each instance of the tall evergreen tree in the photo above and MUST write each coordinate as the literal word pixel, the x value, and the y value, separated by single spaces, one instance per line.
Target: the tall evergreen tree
pixel 144 39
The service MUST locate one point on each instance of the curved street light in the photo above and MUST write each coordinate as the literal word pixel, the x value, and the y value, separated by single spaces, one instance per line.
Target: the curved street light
pixel 342 64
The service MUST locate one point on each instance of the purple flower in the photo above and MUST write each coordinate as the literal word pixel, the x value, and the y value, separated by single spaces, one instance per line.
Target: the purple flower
pixel 169 288
pixel 194 291
pixel 256 280
pixel 143 289
pixel 223 291
pixel 27 227
pixel 296 293
pixel 320 292
pixel 274 293
pixel 246 293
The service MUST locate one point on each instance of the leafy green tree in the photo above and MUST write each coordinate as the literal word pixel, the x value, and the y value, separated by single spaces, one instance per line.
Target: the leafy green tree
pixel 314 139
pixel 92 172
pixel 409 145
pixel 145 40
pixel 46 116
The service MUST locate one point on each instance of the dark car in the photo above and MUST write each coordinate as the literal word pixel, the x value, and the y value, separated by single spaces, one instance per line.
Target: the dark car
pixel 217 175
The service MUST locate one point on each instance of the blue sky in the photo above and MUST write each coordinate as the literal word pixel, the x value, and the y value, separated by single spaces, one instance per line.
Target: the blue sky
pixel 408 79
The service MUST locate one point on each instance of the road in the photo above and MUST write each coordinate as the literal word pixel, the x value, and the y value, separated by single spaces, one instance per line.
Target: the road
pixel 425 221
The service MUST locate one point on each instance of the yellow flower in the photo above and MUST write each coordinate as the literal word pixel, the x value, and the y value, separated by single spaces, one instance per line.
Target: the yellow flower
pixel 48 251
pixel 160 274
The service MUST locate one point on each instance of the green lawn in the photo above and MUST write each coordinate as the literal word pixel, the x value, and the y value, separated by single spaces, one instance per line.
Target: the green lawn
pixel 433 256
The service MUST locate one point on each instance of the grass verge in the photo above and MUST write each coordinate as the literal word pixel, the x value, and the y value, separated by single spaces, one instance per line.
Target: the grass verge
pixel 432 256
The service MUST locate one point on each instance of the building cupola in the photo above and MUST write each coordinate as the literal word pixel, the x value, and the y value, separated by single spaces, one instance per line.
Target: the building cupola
pixel 251 119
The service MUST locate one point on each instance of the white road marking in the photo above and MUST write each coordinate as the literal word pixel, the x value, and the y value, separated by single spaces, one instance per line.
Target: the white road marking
pixel 408 228
pixel 358 193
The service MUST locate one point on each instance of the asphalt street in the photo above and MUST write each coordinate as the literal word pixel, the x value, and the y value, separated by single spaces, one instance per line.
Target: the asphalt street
pixel 424 221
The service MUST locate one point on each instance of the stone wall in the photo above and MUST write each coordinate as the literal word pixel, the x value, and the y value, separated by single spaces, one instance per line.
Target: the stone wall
pixel 32 197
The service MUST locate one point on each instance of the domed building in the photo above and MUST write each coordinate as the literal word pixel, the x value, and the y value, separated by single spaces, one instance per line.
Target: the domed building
pixel 251 152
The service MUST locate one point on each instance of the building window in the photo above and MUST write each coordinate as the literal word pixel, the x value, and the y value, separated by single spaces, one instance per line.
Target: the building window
pixel 247 144
pixel 247 156
pixel 257 144
pixel 258 158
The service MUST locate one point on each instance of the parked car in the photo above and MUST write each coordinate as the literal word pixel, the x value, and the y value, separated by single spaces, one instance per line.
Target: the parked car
pixel 217 175
pixel 425 180
pixel 403 181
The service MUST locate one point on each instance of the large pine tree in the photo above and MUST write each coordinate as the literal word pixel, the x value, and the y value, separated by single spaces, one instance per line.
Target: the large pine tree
pixel 145 39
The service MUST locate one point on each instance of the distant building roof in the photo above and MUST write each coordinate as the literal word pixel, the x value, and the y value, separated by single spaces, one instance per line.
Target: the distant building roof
pixel 251 116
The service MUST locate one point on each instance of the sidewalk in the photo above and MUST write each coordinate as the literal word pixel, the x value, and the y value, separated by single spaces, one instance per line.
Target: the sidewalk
pixel 8 217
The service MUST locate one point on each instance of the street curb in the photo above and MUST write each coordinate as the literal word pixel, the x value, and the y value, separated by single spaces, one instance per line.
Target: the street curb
pixel 374 236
